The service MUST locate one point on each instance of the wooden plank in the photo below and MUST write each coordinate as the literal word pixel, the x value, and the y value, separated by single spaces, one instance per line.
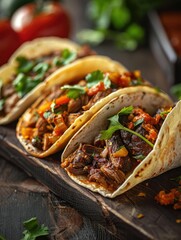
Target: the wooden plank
pixel 23 197
pixel 120 214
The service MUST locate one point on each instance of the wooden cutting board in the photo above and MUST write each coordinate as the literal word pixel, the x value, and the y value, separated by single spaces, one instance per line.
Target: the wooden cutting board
pixel 120 215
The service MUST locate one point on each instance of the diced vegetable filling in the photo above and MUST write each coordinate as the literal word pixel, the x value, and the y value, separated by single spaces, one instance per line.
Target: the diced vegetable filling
pixel 117 150
pixel 63 105
pixel 31 72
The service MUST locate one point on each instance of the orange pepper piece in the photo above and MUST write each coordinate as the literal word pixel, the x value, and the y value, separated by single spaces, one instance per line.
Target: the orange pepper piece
pixel 58 101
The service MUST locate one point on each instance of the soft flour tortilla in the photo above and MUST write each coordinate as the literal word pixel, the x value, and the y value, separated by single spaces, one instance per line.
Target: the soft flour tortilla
pixel 33 49
pixel 165 154
pixel 67 75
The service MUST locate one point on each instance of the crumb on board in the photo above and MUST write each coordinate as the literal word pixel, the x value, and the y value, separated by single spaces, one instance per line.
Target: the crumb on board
pixel 141 194
pixel 178 220
pixel 140 215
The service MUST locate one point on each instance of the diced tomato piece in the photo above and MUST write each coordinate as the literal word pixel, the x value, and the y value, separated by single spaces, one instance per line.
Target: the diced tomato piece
pixel 95 89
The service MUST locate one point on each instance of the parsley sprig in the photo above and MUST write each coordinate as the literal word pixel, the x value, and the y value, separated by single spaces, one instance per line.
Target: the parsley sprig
pixel 65 58
pixel 92 79
pixel 33 229
pixel 95 77
pixel 116 125
pixel 74 91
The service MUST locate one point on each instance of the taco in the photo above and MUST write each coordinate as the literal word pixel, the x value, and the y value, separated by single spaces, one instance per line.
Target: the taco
pixel 28 67
pixel 134 137
pixel 72 97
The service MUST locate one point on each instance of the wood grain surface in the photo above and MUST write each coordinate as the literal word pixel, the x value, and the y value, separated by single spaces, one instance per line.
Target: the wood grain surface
pixel 120 215
pixel 22 198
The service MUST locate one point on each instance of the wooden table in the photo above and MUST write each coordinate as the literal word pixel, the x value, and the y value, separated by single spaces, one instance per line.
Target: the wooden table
pixel 22 197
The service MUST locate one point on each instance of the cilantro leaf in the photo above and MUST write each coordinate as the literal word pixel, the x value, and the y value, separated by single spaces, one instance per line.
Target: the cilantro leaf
pixel 24 64
pixel 163 114
pixel 107 82
pixel 46 114
pixel 116 125
pixel 24 84
pixel 176 91
pixel 126 110
pixel 66 57
pixel 137 81
pixel 33 229
pixel 74 91
pixel 107 134
pixel 41 67
pixel 177 179
pixel 138 122
pixel 94 78
pixel 139 157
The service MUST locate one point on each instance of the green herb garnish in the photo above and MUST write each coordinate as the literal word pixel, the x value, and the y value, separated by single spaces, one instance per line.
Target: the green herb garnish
pixel 46 114
pixel 139 157
pixel 177 179
pixel 66 57
pixel 2 238
pixel 163 114
pixel 116 125
pixel 74 91
pixel 24 65
pixel 137 82
pixel 138 122
pixel 41 68
pixel 107 82
pixel 24 84
pixel 176 91
pixel 34 230
pixel 94 78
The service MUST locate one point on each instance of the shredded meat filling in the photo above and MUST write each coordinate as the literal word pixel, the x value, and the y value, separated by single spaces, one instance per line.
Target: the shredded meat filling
pixel 108 162
pixel 61 106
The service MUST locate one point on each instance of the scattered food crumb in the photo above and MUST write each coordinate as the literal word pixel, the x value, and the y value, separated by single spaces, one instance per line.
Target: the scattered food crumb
pixel 140 215
pixel 141 194
pixel 172 197
pixel 178 220
pixel 147 184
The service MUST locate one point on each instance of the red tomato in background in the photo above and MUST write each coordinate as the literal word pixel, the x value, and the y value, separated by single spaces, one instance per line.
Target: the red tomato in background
pixel 48 19
pixel 9 41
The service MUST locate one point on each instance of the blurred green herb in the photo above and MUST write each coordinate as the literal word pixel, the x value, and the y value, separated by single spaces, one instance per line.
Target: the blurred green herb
pixel 66 57
pixel 2 238
pixel 74 91
pixel 118 20
pixel 177 179
pixel 176 91
pixel 33 229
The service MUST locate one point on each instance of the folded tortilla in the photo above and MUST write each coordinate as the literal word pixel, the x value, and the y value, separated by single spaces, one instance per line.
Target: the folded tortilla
pixel 164 155
pixel 70 75
pixel 30 50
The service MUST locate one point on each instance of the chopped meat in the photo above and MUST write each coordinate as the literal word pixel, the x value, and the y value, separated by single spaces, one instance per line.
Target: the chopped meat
pixel 96 98
pixel 7 90
pixel 10 102
pixel 113 173
pixel 135 144
pixel 113 145
pixel 74 105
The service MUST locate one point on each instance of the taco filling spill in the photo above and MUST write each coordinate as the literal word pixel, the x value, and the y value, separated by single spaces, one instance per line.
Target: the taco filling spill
pixel 61 106
pixel 117 151
pixel 31 72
